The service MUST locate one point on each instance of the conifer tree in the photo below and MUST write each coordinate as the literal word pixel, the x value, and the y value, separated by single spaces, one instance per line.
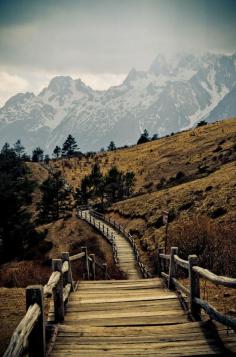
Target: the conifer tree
pixel 19 149
pixel 57 152
pixel 111 146
pixel 17 231
pixel 37 154
pixel 69 146
pixel 144 138
pixel 55 199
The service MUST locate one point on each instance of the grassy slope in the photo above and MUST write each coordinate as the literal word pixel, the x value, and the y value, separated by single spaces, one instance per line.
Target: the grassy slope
pixel 206 156
pixel 164 158
pixel 141 213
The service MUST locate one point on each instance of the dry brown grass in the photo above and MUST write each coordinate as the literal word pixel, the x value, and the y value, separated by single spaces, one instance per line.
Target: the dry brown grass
pixel 143 214
pixel 195 153
pixel 12 310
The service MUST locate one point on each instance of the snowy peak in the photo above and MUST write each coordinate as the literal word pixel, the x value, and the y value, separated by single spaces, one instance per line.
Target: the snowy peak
pixel 160 66
pixel 173 94
pixel 19 99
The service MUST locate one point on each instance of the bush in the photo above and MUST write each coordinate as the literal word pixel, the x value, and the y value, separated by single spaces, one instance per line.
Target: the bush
pixel 220 211
pixel 201 123
pixel 211 242
pixel 180 175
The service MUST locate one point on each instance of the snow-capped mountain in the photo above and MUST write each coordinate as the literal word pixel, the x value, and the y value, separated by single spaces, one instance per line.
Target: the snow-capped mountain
pixel 170 96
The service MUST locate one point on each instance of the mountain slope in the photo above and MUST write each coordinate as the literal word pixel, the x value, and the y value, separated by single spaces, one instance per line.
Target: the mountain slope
pixel 170 96
pixel 225 109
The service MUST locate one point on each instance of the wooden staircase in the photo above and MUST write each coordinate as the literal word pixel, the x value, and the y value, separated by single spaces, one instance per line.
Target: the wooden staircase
pixel 133 317
pixel 137 316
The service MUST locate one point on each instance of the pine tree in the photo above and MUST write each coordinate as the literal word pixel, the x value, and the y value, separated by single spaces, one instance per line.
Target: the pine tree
pixel 113 181
pixel 17 232
pixel 69 146
pixel 111 146
pixel 57 152
pixel 144 138
pixel 19 149
pixel 55 199
pixel 82 192
pixel 37 154
pixel 129 179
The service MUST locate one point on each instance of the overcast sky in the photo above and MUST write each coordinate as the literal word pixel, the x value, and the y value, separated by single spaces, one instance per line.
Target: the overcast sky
pixel 99 41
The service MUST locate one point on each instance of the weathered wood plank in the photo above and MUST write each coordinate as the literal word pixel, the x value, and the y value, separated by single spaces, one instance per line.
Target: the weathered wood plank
pixel 77 256
pixel 216 279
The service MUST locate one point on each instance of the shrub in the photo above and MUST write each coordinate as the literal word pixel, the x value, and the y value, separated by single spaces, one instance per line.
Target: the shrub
pixel 220 211
pixel 201 123
pixel 210 241
pixel 180 175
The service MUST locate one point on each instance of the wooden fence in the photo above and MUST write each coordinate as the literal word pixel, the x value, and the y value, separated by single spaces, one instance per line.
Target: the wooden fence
pixel 31 331
pixel 102 229
pixel 144 270
pixel 167 265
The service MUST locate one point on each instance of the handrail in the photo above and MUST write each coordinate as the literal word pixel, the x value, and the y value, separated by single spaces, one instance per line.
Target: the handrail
pixel 216 279
pixel 183 263
pixel 215 314
pixel 77 256
pixel 193 292
pixel 60 284
pixel 144 270
pixel 165 256
pixel 109 237
pixel 52 282
pixel 20 336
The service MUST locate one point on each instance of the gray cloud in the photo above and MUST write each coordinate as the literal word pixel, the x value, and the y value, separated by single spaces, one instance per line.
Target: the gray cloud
pixel 108 36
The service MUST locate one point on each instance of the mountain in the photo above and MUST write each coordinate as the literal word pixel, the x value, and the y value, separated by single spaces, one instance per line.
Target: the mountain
pixel 173 94
pixel 225 109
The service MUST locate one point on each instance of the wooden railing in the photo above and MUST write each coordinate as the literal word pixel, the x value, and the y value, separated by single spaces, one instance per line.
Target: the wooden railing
pixel 170 262
pixel 30 333
pixel 101 228
pixel 144 270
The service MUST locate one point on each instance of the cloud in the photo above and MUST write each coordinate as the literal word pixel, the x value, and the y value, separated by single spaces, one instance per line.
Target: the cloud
pixel 10 85
pixel 100 41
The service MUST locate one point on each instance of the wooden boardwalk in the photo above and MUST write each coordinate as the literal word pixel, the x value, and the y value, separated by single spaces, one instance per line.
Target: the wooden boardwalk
pixel 132 317
pixel 135 317
pixel 126 258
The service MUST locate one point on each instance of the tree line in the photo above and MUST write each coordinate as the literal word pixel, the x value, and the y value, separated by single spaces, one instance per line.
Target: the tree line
pixel 113 186
pixel 17 229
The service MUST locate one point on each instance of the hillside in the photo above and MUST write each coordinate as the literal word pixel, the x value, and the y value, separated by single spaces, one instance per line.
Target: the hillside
pixel 195 153
pixel 191 174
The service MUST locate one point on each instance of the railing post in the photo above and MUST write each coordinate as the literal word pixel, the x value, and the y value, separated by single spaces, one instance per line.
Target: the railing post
pixel 58 292
pixel 68 275
pixel 172 270
pixel 107 230
pixel 93 266
pixel 105 270
pixel 99 224
pixel 84 249
pixel 159 265
pixel 37 339
pixel 103 228
pixel 194 287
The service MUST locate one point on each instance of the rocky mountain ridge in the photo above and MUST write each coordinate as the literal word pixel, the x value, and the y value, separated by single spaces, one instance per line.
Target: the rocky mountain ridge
pixel 171 95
